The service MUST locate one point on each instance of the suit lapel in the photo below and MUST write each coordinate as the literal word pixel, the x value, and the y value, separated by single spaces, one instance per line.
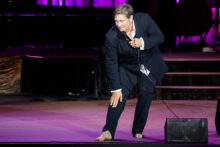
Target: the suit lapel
pixel 137 27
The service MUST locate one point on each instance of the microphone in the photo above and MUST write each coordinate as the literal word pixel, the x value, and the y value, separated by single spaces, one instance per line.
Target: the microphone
pixel 126 36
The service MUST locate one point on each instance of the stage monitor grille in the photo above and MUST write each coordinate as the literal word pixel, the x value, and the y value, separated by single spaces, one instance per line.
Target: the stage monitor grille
pixel 192 130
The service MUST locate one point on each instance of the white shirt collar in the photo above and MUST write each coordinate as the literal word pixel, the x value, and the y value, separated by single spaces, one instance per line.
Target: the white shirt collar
pixel 134 30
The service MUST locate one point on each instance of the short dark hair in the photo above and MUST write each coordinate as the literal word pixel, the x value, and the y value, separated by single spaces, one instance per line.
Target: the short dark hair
pixel 125 9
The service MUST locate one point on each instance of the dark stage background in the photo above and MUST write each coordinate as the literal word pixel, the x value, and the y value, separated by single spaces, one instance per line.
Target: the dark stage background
pixel 59 46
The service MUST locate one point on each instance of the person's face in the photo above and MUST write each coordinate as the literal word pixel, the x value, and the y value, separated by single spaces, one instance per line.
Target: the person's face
pixel 122 22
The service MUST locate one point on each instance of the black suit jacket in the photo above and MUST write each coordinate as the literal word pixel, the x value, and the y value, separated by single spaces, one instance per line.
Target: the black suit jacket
pixel 120 54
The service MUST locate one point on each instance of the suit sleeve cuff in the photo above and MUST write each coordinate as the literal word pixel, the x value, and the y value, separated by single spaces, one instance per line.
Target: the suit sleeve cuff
pixel 115 90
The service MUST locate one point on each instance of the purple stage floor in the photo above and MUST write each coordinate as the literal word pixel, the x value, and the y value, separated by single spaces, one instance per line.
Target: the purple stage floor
pixel 82 121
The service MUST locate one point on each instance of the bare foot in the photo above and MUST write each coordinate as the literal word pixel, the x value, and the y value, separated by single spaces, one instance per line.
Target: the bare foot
pixel 106 135
pixel 138 135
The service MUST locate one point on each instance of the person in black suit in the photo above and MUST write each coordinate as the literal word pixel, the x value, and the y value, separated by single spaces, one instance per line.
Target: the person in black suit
pixel 132 56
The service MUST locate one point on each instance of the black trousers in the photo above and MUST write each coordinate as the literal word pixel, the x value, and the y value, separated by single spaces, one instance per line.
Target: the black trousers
pixel 146 86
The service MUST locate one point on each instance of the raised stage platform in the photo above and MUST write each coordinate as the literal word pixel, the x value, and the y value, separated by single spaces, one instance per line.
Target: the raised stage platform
pixel 81 72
